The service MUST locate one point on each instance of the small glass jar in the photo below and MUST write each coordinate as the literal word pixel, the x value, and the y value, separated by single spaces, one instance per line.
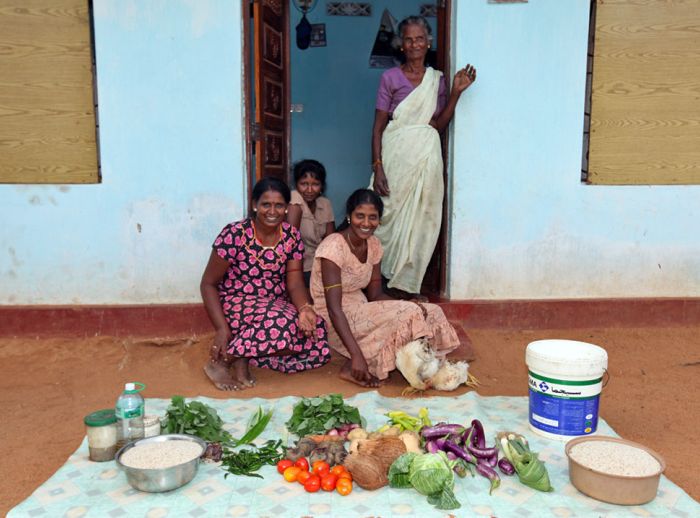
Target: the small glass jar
pixel 151 425
pixel 101 427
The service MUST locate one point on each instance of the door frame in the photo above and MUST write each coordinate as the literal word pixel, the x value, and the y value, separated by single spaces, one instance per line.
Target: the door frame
pixel 444 36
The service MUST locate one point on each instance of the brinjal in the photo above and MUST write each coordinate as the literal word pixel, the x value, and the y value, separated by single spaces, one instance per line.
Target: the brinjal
pixel 441 430
pixel 460 452
pixel 487 471
pixel 478 437
pixel 482 453
pixel 506 467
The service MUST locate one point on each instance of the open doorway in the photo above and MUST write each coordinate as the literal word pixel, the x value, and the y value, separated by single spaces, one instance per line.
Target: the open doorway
pixel 319 102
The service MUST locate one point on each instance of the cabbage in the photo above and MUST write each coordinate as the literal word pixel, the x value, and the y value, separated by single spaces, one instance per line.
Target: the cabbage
pixel 430 474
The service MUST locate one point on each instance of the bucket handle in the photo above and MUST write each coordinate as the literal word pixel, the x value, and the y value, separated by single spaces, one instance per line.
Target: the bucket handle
pixel 606 378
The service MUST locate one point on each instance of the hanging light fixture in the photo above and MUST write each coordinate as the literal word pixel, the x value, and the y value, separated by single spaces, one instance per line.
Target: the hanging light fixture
pixel 303 28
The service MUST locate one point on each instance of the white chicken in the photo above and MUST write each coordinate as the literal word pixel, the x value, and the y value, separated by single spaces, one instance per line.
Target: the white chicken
pixel 423 370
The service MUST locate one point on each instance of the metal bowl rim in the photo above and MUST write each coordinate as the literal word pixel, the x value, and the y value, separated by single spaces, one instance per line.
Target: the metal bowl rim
pixel 159 438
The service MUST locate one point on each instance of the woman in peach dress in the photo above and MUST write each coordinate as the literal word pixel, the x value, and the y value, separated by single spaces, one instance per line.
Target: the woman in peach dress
pixel 368 329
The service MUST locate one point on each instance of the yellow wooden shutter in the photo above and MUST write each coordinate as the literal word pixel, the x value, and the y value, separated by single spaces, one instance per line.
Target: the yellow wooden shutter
pixel 47 114
pixel 645 107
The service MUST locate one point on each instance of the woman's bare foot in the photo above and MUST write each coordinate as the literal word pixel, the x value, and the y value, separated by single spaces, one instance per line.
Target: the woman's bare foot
pixel 219 375
pixel 241 372
pixel 346 374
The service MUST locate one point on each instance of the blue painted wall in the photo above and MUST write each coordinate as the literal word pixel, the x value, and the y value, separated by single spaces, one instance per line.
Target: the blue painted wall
pixel 338 91
pixel 521 225
pixel 169 83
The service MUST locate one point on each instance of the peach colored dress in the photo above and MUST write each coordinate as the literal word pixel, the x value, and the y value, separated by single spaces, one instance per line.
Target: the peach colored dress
pixel 380 327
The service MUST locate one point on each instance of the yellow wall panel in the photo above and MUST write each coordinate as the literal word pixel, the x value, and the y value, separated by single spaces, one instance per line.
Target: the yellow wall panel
pixel 645 106
pixel 47 116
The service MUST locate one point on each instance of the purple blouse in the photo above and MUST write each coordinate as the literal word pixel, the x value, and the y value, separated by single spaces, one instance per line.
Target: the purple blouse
pixel 394 87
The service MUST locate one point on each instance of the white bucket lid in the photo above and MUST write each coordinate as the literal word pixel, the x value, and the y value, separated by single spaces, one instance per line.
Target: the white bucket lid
pixel 566 357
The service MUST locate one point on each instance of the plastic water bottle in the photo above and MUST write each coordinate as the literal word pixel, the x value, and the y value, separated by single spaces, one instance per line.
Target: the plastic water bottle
pixel 129 412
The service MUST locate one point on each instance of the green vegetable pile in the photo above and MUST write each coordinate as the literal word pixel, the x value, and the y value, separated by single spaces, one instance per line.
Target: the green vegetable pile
pixel 530 469
pixel 430 474
pixel 195 418
pixel 316 415
pixel 247 462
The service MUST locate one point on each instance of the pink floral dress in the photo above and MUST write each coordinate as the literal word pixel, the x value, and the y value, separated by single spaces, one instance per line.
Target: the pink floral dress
pixel 254 299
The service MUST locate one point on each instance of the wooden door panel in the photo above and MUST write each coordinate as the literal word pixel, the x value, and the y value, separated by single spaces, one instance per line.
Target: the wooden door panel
pixel 271 88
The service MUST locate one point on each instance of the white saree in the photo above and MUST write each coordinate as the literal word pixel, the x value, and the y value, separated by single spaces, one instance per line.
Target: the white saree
pixel 412 162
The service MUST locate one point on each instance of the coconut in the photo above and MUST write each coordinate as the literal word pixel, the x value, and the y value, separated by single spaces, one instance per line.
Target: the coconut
pixel 367 472
pixel 385 449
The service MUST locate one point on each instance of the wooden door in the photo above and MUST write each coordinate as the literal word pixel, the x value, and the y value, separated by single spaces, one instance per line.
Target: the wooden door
pixel 271 57
pixel 435 279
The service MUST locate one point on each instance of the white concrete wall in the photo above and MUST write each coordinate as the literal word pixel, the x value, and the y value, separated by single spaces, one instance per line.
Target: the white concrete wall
pixel 523 226
pixel 170 106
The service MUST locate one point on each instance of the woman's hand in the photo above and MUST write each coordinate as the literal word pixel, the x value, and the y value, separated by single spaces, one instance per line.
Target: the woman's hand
pixel 380 185
pixel 463 79
pixel 359 369
pixel 307 321
pixel 219 348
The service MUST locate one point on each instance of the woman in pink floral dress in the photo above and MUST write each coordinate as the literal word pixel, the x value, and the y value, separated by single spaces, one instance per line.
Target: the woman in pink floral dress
pixel 254 293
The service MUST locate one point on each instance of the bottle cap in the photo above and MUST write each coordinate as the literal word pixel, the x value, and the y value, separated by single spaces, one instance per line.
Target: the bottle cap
pixel 100 418
pixel 129 387
pixel 133 387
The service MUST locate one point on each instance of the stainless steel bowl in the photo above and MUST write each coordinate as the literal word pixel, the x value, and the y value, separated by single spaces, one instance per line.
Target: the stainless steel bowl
pixel 165 479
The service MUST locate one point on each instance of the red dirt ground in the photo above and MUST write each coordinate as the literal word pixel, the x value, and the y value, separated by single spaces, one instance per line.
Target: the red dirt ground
pixel 48 385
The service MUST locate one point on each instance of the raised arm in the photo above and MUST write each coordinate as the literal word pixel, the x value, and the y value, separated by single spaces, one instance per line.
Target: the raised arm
pixel 462 80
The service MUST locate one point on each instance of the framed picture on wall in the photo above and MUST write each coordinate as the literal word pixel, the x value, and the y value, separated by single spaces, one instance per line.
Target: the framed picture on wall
pixel 318 35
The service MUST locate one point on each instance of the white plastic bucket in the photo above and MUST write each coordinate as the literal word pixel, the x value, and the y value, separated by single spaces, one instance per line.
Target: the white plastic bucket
pixel 565 378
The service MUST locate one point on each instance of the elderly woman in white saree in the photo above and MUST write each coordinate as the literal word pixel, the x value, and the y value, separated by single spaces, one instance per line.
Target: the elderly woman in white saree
pixel 413 107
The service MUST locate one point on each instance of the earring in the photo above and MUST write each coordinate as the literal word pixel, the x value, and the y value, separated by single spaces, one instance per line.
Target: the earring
pixel 286 211
pixel 348 218
pixel 255 210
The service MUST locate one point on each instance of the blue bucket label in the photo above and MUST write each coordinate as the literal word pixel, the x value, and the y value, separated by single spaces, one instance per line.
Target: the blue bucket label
pixel 564 407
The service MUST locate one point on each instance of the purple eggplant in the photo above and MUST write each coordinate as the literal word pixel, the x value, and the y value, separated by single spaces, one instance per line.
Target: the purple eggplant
pixel 441 430
pixel 487 471
pixel 478 437
pixel 466 436
pixel 506 467
pixel 451 456
pixel 432 447
pixel 460 452
pixel 493 460
pixel 440 443
pixel 482 453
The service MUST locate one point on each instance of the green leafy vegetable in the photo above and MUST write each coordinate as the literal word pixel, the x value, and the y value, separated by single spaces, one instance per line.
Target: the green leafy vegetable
pixel 247 462
pixel 195 418
pixel 316 415
pixel 531 470
pixel 430 474
pixel 256 426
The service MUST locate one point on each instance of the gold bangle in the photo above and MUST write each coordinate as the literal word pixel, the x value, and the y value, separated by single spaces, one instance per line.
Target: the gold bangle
pixel 326 288
pixel 376 162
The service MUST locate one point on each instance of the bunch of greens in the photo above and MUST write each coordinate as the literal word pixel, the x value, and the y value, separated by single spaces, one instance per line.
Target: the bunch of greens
pixel 197 418
pixel 531 470
pixel 247 462
pixel 316 415
pixel 430 474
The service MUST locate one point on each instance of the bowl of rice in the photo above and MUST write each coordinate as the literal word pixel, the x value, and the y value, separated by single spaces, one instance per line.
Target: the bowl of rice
pixel 161 463
pixel 614 470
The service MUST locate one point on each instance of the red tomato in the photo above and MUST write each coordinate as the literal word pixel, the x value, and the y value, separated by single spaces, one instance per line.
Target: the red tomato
pixel 337 470
pixel 291 473
pixel 321 468
pixel 313 484
pixel 328 482
pixel 303 476
pixel 302 463
pixel 344 486
pixel 283 464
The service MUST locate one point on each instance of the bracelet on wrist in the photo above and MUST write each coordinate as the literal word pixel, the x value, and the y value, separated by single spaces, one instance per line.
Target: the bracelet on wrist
pixel 376 163
pixel 306 306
